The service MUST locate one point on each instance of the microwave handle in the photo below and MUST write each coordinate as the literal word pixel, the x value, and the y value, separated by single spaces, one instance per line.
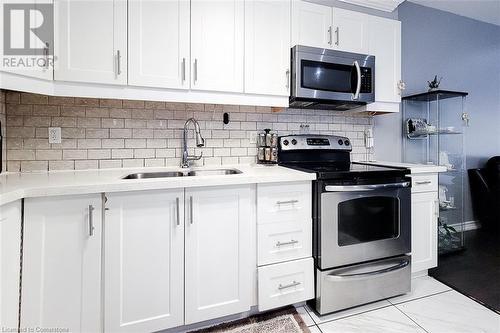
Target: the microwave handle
pixel 358 82
pixel 359 188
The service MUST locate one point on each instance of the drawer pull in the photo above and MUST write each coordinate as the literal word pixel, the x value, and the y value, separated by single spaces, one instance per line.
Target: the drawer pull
pixel 278 244
pixel 291 202
pixel 423 182
pixel 293 284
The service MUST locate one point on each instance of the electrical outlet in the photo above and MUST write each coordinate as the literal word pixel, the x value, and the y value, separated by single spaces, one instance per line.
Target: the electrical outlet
pixel 252 137
pixel 54 134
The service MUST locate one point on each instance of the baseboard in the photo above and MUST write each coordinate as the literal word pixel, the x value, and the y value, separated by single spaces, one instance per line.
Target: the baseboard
pixel 466 226
pixel 418 274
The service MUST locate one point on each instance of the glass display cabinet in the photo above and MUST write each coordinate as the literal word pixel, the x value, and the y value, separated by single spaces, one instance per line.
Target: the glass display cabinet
pixel 434 133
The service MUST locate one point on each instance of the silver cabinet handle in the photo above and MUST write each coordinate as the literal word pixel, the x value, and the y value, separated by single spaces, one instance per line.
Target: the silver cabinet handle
pixel 287 73
pixel 290 285
pixel 358 188
pixel 423 182
pixel 191 209
pixel 195 70
pixel 287 202
pixel 118 63
pixel 46 55
pixel 91 220
pixel 178 213
pixel 358 82
pixel 330 35
pixel 278 244
pixel 337 36
pixel 183 70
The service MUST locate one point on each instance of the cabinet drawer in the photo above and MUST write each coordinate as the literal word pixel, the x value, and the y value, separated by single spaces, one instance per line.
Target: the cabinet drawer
pixel 286 283
pixel 424 183
pixel 282 241
pixel 283 202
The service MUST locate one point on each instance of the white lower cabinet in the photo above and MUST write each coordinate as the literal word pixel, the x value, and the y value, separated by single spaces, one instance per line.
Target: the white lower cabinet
pixel 61 277
pixel 220 251
pixel 152 260
pixel 144 261
pixel 286 283
pixel 424 216
pixel 10 247
pixel 284 242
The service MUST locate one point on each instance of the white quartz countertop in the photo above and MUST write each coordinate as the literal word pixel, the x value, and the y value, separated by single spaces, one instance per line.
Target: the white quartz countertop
pixel 414 168
pixel 14 186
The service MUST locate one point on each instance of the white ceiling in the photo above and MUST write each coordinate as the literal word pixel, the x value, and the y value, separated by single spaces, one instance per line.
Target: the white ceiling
pixel 482 10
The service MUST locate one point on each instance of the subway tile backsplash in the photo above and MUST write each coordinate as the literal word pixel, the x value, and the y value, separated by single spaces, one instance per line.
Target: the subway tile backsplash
pixel 112 133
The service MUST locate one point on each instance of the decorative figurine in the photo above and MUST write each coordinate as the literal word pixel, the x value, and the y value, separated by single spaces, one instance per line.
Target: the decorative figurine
pixel 434 84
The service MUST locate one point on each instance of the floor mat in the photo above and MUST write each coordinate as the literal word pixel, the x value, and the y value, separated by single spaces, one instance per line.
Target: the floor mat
pixel 474 272
pixel 281 321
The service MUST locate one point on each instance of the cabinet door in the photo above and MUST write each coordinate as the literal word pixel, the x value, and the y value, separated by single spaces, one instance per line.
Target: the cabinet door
pixel 61 284
pixel 10 245
pixel 42 66
pixel 158 43
pixel 385 45
pixel 267 47
pixel 424 210
pixel 217 34
pixel 311 24
pixel 350 31
pixel 220 251
pixel 144 257
pixel 91 41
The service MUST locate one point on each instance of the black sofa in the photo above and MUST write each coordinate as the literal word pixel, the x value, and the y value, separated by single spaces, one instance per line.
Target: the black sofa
pixel 485 193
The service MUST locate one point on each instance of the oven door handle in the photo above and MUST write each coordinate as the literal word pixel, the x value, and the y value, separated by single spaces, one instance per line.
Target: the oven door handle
pixel 400 265
pixel 360 188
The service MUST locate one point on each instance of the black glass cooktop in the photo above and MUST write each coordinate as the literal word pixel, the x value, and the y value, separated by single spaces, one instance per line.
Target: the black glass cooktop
pixel 334 170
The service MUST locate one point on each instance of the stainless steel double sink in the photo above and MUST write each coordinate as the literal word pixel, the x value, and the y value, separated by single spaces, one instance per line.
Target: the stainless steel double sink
pixel 168 174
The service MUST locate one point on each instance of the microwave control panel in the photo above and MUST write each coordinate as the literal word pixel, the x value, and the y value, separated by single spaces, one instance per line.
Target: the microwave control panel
pixel 366 80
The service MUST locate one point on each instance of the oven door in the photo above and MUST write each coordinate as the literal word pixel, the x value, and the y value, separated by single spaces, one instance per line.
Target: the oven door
pixel 364 222
pixel 333 75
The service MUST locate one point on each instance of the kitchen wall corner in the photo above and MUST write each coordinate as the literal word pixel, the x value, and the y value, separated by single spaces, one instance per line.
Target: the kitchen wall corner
pixel 113 133
pixel 3 130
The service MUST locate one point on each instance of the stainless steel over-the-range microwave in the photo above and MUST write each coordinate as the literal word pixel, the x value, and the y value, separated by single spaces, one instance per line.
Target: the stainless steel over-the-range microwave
pixel 328 79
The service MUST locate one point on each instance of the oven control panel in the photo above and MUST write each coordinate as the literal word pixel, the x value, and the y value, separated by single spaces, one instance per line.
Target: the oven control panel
pixel 310 141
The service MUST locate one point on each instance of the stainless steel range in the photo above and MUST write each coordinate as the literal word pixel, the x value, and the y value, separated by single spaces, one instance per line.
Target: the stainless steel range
pixel 361 223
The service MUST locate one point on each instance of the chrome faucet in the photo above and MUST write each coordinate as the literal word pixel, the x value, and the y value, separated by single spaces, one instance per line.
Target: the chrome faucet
pixel 200 142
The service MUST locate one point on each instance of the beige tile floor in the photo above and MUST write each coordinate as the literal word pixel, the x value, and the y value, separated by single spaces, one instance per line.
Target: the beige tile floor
pixel 431 307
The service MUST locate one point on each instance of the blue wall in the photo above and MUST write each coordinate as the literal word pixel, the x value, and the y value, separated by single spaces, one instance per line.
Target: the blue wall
pixel 466 53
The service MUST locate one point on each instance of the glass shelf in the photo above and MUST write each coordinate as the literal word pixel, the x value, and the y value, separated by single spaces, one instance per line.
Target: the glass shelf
pixel 434 133
pixel 434 95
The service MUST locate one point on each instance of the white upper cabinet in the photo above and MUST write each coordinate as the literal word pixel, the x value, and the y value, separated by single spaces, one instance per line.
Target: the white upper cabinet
pixel 327 27
pixel 267 47
pixel 311 24
pixel 350 31
pixel 220 251
pixel 91 41
pixel 41 44
pixel 61 280
pixel 144 261
pixel 10 258
pixel 217 43
pixel 158 43
pixel 385 44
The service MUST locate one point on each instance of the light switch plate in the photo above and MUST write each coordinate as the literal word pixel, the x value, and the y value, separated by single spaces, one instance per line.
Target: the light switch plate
pixel 54 134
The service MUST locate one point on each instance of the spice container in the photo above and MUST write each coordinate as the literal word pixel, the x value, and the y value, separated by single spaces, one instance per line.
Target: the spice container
pixel 267 147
